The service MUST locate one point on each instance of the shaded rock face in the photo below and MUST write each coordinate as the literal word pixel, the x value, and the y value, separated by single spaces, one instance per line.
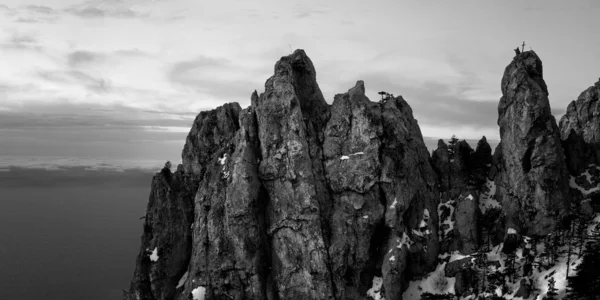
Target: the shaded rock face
pixel 580 131
pixel 462 173
pixel 291 112
pixel 533 183
pixel 210 130
pixel 354 133
pixel 167 240
pixel 292 198
pixel 410 193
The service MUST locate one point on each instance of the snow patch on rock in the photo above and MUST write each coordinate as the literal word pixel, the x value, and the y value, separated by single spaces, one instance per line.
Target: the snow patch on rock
pixel 448 221
pixel 198 293
pixel 405 240
pixel 573 184
pixel 435 283
pixel 375 291
pixel 394 204
pixel 345 157
pixel 223 160
pixel 487 199
pixel 154 255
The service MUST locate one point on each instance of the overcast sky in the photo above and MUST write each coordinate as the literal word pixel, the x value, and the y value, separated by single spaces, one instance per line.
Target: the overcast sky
pixel 124 78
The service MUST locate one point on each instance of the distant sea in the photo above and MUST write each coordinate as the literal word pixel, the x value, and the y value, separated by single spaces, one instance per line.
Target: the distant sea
pixel 70 233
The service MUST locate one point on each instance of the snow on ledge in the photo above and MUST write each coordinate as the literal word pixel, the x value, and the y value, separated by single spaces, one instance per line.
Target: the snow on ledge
pixel 198 293
pixel 394 204
pixel 345 157
pixel 154 255
pixel 375 291
pixel 435 282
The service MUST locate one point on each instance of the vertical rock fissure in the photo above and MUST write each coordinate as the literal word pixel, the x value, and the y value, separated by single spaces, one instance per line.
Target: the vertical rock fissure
pixel 324 214
pixel 325 225
pixel 206 244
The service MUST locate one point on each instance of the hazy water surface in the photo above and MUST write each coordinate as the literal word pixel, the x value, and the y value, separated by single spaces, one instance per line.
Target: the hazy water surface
pixel 69 234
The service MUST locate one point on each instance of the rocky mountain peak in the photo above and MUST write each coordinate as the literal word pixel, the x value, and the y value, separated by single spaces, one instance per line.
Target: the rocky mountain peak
pixel 293 198
pixel 526 66
pixel 534 182
pixel 580 130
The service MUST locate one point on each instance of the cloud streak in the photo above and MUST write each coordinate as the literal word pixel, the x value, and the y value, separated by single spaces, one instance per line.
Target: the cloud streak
pixel 214 77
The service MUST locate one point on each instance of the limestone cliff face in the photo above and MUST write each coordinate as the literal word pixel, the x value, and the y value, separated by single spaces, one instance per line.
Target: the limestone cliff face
pixel 166 244
pixel 293 198
pixel 580 130
pixel 533 182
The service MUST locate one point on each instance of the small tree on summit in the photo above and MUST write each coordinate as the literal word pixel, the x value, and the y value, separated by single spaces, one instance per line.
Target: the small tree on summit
pixel 166 171
pixel 453 140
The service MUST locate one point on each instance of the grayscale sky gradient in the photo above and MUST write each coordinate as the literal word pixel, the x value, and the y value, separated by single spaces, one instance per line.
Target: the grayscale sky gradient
pixel 123 79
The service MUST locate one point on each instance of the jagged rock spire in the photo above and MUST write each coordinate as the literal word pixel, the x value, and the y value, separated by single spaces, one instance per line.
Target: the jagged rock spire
pixel 580 130
pixel 534 182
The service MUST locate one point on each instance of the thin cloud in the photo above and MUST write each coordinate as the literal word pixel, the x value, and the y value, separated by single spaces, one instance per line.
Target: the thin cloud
pixel 307 12
pixel 131 53
pixel 41 9
pixel 89 82
pixel 31 14
pixel 9 12
pixel 77 58
pixel 21 42
pixel 213 76
pixel 89 10
pixel 199 62
pixel 434 103
pixel 27 20
pixel 61 114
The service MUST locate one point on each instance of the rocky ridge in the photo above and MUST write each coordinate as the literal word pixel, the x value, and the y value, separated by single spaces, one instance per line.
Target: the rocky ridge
pixel 293 198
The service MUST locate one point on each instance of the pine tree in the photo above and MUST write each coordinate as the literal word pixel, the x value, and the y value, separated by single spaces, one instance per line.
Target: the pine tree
pixel 552 290
pixel 555 254
pixel 570 241
pixel 581 223
pixel 453 140
pixel 510 270
pixel 481 261
pixel 585 284
pixel 551 253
